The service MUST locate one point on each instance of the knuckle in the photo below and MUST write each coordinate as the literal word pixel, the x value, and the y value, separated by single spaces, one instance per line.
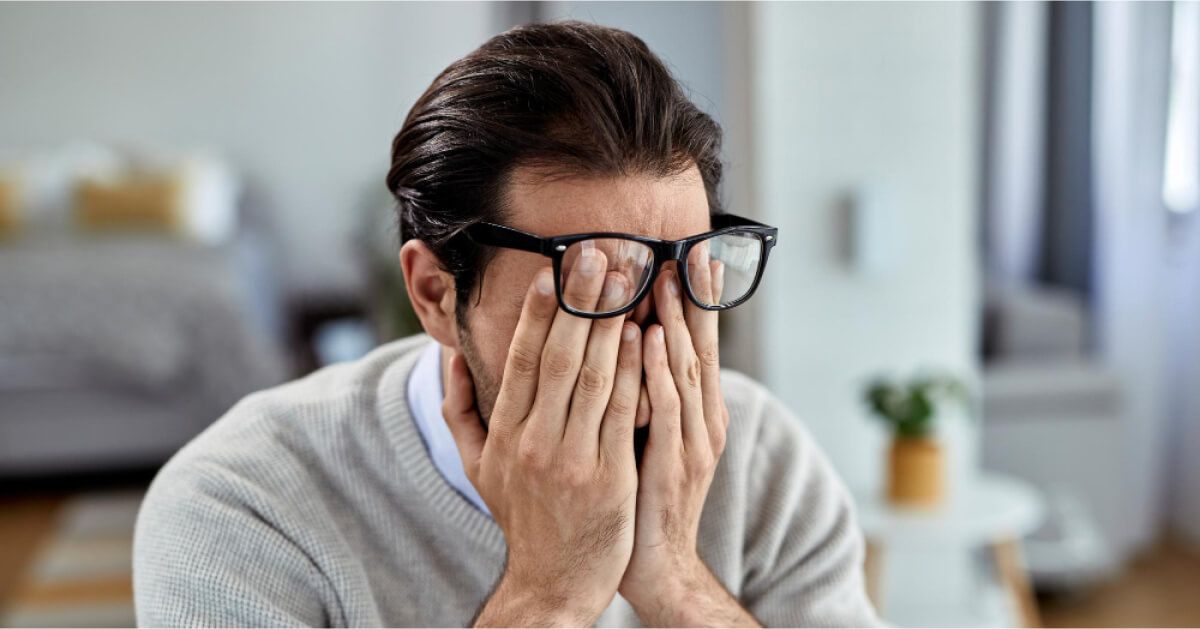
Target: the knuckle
pixel 523 360
pixel 579 290
pixel 592 381
pixel 531 455
pixel 576 295
pixel 709 356
pixel 499 432
pixel 700 462
pixel 622 432
pixel 692 371
pixel 542 310
pixel 557 361
pixel 621 404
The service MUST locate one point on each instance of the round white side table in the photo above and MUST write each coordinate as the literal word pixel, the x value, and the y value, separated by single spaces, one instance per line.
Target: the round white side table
pixel 994 512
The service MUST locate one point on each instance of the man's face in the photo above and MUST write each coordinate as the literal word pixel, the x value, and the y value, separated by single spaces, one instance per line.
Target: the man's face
pixel 667 208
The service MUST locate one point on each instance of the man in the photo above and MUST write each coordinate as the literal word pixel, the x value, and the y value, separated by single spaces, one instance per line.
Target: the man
pixel 561 448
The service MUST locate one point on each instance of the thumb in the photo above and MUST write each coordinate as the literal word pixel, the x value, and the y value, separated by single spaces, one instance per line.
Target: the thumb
pixel 458 408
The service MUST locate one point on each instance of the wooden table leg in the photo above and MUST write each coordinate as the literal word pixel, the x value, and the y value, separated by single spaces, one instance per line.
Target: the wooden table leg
pixel 1010 566
pixel 872 574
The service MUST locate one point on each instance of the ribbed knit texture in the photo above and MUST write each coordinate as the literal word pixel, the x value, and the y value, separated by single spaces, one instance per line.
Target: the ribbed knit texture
pixel 315 503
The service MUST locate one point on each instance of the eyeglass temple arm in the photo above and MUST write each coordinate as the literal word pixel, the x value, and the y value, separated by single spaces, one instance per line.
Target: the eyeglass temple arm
pixel 720 221
pixel 501 236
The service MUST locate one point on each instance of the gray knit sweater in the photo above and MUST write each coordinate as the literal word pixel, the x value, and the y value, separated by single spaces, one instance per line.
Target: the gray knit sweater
pixel 316 503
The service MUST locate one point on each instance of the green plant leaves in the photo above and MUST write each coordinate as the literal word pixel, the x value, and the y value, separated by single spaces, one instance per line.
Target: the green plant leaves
pixel 910 408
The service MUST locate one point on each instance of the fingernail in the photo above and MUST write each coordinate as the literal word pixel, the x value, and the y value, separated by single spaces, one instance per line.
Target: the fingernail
pixel 545 283
pixel 673 284
pixel 589 262
pixel 629 333
pixel 658 333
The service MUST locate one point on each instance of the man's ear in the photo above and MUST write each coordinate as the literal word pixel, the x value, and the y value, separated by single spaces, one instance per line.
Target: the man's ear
pixel 431 291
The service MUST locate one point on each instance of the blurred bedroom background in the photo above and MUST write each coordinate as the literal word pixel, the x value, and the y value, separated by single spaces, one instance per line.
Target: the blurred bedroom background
pixel 192 208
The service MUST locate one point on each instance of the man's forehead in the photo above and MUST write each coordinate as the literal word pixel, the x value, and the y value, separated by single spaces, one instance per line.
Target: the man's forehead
pixel 669 207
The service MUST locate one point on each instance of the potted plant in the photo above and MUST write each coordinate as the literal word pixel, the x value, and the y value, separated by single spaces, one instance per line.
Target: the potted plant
pixel 916 462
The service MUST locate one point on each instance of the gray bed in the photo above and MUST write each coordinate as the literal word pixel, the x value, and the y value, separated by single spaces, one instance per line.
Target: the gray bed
pixel 116 350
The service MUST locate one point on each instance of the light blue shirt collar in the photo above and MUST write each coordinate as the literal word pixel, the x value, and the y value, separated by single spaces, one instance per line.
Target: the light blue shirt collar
pixel 425 402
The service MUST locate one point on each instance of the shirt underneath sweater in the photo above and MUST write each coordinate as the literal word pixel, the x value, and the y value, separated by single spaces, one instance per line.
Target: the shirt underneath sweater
pixel 316 503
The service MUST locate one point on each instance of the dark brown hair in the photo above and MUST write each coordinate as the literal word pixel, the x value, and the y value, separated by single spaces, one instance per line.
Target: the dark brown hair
pixel 570 97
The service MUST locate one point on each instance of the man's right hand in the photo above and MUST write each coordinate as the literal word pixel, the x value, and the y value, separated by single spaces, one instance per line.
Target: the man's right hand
pixel 556 465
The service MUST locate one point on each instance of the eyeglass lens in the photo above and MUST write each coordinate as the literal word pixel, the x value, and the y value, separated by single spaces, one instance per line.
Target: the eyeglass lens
pixel 626 266
pixel 721 271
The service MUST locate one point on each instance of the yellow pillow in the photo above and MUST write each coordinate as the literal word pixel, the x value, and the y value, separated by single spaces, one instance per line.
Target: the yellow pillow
pixel 10 206
pixel 138 202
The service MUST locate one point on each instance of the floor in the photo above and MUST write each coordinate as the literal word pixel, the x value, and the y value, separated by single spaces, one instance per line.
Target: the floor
pixel 1159 589
pixel 23 522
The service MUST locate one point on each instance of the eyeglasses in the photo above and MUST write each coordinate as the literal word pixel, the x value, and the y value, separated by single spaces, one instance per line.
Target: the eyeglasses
pixel 719 269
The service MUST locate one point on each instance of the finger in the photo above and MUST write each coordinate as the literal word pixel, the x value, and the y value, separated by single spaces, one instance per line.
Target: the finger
pixel 643 411
pixel 685 366
pixel 563 352
pixel 699 273
pixel 616 431
pixel 458 408
pixel 660 387
pixel 702 324
pixel 518 387
pixel 594 385
pixel 718 280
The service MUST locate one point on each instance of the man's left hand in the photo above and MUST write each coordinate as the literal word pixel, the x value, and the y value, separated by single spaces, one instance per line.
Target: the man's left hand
pixel 666 581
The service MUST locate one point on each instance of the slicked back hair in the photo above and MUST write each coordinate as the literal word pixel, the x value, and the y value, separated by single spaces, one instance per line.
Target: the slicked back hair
pixel 570 98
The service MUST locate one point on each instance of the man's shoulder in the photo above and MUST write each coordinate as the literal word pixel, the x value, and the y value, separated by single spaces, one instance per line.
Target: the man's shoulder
pixel 757 416
pixel 328 387
pixel 740 389
pixel 766 443
pixel 287 428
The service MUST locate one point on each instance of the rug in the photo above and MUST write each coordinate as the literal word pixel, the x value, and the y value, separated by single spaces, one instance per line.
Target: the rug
pixel 82 575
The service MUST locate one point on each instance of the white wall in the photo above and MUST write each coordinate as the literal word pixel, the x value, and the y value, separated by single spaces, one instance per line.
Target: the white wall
pixel 883 95
pixel 303 98
pixel 687 35
pixel 705 46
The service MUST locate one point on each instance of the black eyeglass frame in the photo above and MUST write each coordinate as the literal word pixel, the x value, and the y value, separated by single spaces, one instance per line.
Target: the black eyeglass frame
pixel 493 235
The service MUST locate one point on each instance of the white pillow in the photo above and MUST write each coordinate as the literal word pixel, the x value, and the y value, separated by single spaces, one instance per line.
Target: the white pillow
pixel 210 199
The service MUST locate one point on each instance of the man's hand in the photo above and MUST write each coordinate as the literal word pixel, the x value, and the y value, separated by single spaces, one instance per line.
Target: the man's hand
pixel 556 465
pixel 666 582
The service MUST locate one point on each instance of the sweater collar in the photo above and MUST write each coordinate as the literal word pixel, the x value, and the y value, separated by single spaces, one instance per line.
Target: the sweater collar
pixel 393 411
pixel 425 394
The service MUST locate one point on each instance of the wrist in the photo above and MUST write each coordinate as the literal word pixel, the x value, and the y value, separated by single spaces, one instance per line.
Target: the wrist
pixel 665 597
pixel 517 602
pixel 692 598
